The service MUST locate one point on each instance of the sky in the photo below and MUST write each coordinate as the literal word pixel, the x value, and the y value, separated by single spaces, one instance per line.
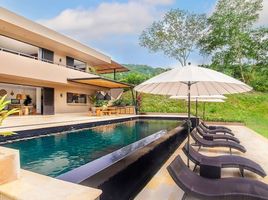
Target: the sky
pixel 113 26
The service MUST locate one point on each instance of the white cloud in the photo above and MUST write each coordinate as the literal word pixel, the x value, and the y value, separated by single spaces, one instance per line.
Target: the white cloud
pixel 263 20
pixel 155 2
pixel 106 19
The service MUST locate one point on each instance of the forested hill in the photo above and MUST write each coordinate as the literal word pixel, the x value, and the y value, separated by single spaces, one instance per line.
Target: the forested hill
pixel 145 69
pixel 137 73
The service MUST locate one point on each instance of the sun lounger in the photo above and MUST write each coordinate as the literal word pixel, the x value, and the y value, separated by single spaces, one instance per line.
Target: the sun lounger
pixel 215 131
pixel 214 127
pixel 224 161
pixel 224 188
pixel 207 143
pixel 214 137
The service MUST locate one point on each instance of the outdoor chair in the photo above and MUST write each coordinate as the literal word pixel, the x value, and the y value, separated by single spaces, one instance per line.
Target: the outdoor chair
pixel 208 143
pixel 215 127
pixel 224 161
pixel 223 188
pixel 215 131
pixel 213 137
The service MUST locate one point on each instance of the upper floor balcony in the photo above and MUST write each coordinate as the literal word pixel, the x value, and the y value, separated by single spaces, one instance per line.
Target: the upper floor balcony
pixel 51 58
pixel 16 64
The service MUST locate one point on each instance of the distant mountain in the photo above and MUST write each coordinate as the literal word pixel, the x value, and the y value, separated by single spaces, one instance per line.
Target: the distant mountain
pixel 136 74
pixel 145 69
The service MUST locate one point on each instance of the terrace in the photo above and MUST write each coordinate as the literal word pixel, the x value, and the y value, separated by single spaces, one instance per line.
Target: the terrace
pixel 19 123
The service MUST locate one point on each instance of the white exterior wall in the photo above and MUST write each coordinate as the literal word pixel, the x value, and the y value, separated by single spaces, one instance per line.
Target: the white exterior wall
pixel 61 105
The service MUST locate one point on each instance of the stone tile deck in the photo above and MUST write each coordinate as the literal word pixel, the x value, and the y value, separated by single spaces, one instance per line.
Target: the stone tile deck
pixel 18 184
pixel 162 186
pixel 17 123
pixel 33 186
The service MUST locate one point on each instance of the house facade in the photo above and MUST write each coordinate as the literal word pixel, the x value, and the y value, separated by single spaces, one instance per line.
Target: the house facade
pixel 45 72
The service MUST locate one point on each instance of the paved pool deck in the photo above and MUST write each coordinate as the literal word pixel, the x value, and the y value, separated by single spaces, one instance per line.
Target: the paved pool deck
pixel 19 123
pixel 161 186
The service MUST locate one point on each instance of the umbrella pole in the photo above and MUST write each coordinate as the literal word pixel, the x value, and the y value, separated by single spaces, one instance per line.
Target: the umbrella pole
pixel 189 121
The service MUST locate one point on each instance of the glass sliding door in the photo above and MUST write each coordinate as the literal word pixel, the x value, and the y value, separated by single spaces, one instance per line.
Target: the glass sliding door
pixel 48 101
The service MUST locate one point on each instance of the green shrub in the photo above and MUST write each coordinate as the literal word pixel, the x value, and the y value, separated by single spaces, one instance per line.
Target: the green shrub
pixel 100 103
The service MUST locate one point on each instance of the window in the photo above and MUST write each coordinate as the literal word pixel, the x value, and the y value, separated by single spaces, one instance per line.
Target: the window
pixel 69 61
pixel 47 55
pixel 76 98
pixel 77 64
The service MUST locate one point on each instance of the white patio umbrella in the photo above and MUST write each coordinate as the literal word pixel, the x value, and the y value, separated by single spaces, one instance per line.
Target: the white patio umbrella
pixel 192 80
pixel 201 97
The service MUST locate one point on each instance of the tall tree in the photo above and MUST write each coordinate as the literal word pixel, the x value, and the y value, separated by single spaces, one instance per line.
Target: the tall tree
pixel 176 34
pixel 257 55
pixel 230 33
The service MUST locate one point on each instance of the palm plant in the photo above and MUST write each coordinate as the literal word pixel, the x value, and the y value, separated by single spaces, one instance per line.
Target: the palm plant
pixel 4 113
pixel 93 99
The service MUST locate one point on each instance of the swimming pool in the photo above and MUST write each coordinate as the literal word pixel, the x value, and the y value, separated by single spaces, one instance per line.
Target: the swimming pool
pixel 60 153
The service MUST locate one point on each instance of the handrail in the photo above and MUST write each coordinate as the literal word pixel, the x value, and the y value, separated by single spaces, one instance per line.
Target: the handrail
pixel 41 59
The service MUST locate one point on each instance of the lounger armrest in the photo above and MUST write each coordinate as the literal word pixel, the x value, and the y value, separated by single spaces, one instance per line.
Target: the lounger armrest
pixel 210 169
pixel 208 137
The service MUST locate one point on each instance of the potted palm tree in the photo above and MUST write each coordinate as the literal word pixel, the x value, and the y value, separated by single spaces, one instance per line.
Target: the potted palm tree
pixel 93 101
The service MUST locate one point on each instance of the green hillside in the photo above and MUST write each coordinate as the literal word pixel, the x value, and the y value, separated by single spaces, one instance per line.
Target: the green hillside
pixel 249 108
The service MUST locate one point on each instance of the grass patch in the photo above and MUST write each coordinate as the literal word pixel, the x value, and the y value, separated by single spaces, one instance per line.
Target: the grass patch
pixel 249 108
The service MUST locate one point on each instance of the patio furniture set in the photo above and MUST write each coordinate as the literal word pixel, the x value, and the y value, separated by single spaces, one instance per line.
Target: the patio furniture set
pixel 112 110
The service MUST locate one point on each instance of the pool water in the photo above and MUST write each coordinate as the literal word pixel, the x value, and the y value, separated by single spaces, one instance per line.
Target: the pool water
pixel 57 154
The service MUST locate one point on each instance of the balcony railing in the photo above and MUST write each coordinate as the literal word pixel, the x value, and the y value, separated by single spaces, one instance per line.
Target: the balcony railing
pixel 40 59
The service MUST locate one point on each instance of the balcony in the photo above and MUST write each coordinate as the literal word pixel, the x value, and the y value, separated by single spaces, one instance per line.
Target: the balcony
pixel 16 64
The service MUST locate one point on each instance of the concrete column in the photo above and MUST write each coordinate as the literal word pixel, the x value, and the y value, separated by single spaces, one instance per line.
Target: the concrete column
pixel 38 100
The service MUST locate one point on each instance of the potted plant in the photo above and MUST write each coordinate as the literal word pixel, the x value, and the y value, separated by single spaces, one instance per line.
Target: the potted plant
pixel 93 101
pixel 101 103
